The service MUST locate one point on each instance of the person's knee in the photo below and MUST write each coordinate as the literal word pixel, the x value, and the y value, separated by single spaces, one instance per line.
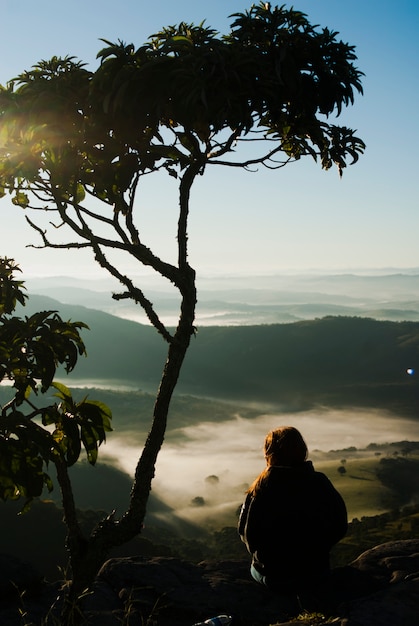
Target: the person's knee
pixel 257 576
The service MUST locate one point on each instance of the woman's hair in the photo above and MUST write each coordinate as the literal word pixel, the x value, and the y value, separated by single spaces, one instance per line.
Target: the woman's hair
pixel 283 446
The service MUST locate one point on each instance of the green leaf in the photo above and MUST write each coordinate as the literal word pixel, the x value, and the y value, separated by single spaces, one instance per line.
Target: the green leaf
pixel 181 39
pixel 63 392
pixel 20 199
pixel 50 415
pixel 72 439
pixel 80 193
pixel 89 439
pixel 98 412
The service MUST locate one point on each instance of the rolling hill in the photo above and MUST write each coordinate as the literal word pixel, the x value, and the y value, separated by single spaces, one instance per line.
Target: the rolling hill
pixel 238 300
pixel 333 360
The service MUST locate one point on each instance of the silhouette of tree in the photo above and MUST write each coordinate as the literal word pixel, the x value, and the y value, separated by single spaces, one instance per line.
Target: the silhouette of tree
pixel 75 145
pixel 198 501
pixel 31 350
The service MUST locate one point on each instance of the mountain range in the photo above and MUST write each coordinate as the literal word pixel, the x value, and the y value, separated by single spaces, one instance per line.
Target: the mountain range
pixel 332 360
pixel 256 299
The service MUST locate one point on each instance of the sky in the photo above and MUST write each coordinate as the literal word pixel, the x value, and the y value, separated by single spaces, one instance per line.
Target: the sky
pixel 298 218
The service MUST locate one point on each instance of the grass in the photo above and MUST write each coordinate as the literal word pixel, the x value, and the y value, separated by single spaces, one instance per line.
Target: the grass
pixel 363 493
pixel 359 486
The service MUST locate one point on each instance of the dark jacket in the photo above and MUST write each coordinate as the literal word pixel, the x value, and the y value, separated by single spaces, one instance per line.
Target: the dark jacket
pixel 291 524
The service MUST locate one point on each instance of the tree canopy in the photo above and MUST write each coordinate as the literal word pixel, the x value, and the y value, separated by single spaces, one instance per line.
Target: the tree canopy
pixel 75 143
pixel 187 96
pixel 185 100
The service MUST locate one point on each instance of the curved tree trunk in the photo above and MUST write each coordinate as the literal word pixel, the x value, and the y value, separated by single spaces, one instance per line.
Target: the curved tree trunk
pixel 87 556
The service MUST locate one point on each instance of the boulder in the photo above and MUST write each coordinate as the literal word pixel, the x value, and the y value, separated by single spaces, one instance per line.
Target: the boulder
pixel 379 588
pixel 176 592
pixel 390 562
pixel 394 566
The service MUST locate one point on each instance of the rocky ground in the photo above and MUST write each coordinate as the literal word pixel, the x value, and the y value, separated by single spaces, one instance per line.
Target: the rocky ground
pixel 380 588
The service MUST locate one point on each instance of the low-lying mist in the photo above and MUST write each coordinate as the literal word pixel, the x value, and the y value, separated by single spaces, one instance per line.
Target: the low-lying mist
pixel 204 470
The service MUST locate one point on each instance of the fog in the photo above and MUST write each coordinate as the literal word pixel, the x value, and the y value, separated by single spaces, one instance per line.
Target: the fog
pixel 230 300
pixel 204 470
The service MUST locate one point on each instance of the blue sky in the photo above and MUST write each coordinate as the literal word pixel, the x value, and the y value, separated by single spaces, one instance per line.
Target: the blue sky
pixel 297 218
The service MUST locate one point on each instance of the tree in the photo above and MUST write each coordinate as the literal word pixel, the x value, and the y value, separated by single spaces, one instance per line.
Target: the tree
pixel 75 144
pixel 31 350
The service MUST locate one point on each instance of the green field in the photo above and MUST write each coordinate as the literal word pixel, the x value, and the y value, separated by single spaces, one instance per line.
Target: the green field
pixel 360 487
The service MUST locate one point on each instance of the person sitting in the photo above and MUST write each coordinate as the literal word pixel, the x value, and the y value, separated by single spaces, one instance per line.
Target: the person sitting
pixel 291 517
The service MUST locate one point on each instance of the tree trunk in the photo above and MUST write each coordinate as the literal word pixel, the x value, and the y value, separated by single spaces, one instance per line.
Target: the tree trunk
pixel 109 532
pixel 87 557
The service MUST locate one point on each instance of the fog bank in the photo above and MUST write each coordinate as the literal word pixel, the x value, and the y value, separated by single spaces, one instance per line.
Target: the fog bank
pixel 204 470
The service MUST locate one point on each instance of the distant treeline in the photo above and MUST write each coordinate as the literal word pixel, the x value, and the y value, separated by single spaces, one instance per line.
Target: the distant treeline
pixel 334 360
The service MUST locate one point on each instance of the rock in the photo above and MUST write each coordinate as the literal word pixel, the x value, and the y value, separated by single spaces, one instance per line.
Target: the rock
pixel 395 567
pixel 379 588
pixel 390 562
pixel 177 592
pixel 395 605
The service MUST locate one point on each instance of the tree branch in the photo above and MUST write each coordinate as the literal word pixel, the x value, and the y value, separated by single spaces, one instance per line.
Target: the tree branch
pixel 134 293
pixel 49 244
pixel 225 147
pixel 257 161
pixel 184 193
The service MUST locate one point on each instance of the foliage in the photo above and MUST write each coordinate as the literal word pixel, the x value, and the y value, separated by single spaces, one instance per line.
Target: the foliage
pixel 31 350
pixel 76 143
pixel 10 289
pixel 68 132
pixel 400 474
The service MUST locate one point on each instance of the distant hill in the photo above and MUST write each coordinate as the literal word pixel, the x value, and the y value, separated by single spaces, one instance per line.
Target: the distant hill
pixel 332 360
pixel 235 300
pixel 118 350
